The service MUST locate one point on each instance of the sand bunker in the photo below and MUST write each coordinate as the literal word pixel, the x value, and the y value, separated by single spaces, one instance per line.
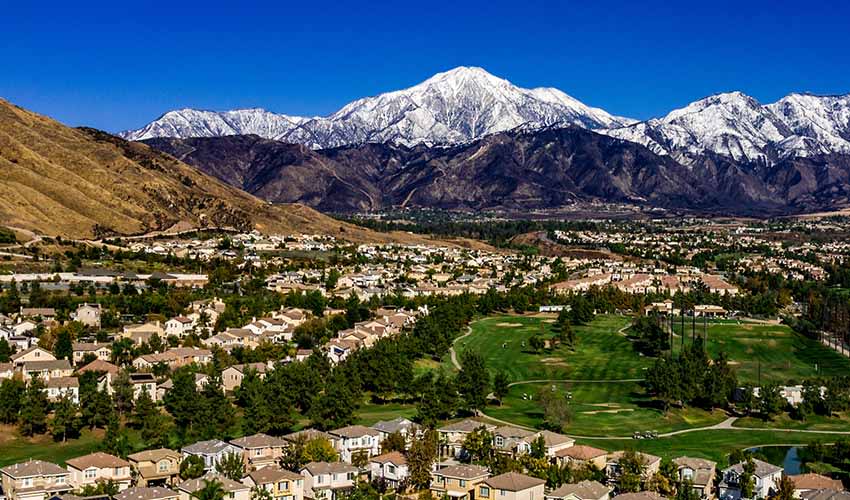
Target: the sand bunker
pixel 509 325
pixel 618 410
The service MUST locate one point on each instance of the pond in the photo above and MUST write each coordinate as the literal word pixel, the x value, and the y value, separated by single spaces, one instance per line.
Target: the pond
pixel 785 456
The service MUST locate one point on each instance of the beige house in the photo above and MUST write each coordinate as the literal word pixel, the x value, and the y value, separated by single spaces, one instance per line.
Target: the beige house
pixel 281 484
pixel 260 450
pixel 231 377
pixel 699 472
pixel 357 441
pixel 140 334
pixel 327 480
pixel 34 480
pixel 650 463
pixel 102 351
pixel 160 466
pixel 146 493
pixel 458 481
pixel 47 369
pixel 804 483
pixel 61 387
pixel 234 490
pixel 582 456
pixel 584 490
pixel 452 435
pixel 511 486
pixel 34 353
pixel 96 467
pixel 87 314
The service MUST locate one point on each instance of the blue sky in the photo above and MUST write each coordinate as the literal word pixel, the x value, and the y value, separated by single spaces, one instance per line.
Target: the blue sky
pixel 118 65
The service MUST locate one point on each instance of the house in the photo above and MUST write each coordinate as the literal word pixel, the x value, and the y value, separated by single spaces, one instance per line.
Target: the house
pixel 140 334
pixel 107 371
pixel 804 483
pixel 34 480
pixel 553 442
pixel 512 440
pixel 260 450
pixel 458 481
pixel 212 452
pixel 60 387
pixel 641 495
pixel 43 313
pixel 45 370
pixel 179 326
pixel 306 435
pixel 233 490
pixel 389 467
pixel 584 490
pixel 101 351
pixel 231 377
pixel 93 468
pixel 87 314
pixel 452 435
pixel 511 486
pixel 357 441
pixel 699 472
pixel 328 480
pixel 825 495
pixel 650 463
pixel 156 467
pixel 146 493
pixel 401 425
pixel 7 370
pixel 767 477
pixel 143 382
pixel 34 353
pixel 279 483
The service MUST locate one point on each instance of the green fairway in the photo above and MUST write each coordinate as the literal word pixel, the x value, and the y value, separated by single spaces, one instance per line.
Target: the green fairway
pixel 602 409
pixel 369 412
pixel 713 444
pixel 840 422
pixel 15 448
pixel 767 352
pixel 601 353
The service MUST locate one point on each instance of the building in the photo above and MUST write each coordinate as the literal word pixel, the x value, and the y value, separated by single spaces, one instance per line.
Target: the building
pixel 357 441
pixel 63 387
pixel 767 477
pixel 582 456
pixel 34 353
pixel 804 483
pixel 328 480
pixel 211 452
pixel 231 377
pixel 389 467
pixel 280 484
pixel 401 425
pixel 101 351
pixel 91 469
pixel 260 450
pixel 234 490
pixel 452 435
pixel 34 480
pixel 156 467
pixel 699 472
pixel 584 490
pixel 825 495
pixel 651 465
pixel 511 486
pixel 458 481
pixel 87 314
pixel 147 493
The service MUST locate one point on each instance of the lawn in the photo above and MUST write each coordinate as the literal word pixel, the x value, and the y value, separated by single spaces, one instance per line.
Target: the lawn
pixel 602 409
pixel 841 422
pixel 764 353
pixel 16 448
pixel 713 445
pixel 503 341
pixel 371 412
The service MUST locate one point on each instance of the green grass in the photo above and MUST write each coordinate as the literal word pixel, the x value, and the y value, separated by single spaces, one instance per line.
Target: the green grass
pixel 370 412
pixel 784 421
pixel 597 344
pixel 768 353
pixel 15 448
pixel 713 445
pixel 608 409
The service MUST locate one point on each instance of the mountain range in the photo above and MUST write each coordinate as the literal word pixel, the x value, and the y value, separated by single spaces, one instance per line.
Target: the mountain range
pixel 468 103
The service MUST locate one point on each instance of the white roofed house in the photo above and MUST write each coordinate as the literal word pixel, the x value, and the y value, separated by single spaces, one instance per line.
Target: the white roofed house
pixel 89 470
pixel 212 452
pixel 46 370
pixel 511 486
pixel 147 493
pixel 766 480
pixel 34 480
pixel 34 353
pixel 452 435
pixel 583 490
pixel 357 442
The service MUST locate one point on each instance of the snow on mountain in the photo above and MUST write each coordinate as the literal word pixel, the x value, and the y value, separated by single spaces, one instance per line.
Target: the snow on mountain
pixel 736 125
pixel 455 106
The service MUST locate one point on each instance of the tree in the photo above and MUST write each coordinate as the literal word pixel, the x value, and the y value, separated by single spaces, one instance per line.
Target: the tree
pixel 473 380
pixel 393 442
pixel 66 421
pixel 478 444
pixel 771 401
pixel 231 466
pixel 420 458
pixel 557 413
pixel 785 490
pixel 5 351
pixel 182 401
pixel 33 416
pixel 500 385
pixel 215 413
pixel 538 447
pixel 115 441
pixel 686 491
pixel 319 449
pixel 192 467
pixel 335 407
pixel 747 481
pixel 63 349
pixel 536 342
pixel 632 468
pixel 122 393
pixel 12 394
pixel 212 490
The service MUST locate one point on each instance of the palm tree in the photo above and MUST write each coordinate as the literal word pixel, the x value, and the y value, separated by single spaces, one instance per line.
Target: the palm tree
pixel 212 490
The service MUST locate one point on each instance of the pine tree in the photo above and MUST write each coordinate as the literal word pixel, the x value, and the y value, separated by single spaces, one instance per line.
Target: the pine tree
pixel 66 420
pixel 33 417
pixel 63 348
pixel 122 393
pixel 473 380
pixel 231 466
pixel 5 351
pixel 12 394
pixel 501 384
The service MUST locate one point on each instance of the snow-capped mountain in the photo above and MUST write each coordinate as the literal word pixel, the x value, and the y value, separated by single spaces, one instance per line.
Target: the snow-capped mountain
pixel 736 125
pixel 449 108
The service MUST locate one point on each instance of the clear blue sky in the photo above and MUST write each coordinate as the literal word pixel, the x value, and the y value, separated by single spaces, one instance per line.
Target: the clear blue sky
pixel 118 65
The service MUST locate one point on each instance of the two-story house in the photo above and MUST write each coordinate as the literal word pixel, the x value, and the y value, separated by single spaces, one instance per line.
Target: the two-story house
pixel 34 480
pixel 156 467
pixel 583 490
pixel 93 468
pixel 88 314
pixel 511 486
pixel 233 490
pixel 357 443
pixel 458 481
pixel 279 483
pixel 147 493
pixel 212 452
pixel 650 463
pixel 328 480
pixel 401 425
pixel 390 468
pixel 63 387
pixel 582 455
pixel 101 351
pixel 231 377
pixel 260 450
pixel 453 435
pixel 699 472
pixel 765 479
